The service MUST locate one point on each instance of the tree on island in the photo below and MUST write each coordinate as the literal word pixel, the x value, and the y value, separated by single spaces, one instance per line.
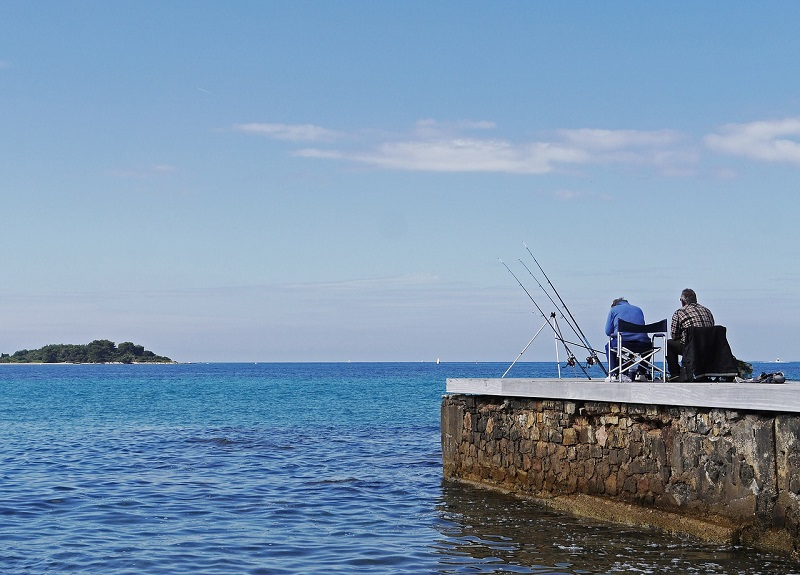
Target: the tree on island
pixel 98 351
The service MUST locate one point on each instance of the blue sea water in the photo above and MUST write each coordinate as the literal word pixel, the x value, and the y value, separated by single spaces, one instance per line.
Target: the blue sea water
pixel 282 468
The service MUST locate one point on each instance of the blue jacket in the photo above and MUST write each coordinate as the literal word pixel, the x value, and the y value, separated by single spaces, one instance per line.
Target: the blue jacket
pixel 631 314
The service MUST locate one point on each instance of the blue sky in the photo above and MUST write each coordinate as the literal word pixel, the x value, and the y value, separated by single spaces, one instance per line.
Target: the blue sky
pixel 335 181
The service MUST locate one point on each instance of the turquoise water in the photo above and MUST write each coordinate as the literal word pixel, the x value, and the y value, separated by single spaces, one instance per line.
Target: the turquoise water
pixel 281 468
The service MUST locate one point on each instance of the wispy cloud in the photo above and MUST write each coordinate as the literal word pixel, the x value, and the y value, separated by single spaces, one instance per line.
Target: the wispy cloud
pixel 472 146
pixel 670 151
pixel 289 132
pixel 458 155
pixel 444 147
pixel 594 139
pixel 770 141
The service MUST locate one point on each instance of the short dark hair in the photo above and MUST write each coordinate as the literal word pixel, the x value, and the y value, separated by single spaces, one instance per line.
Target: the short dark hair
pixel 688 296
pixel 618 301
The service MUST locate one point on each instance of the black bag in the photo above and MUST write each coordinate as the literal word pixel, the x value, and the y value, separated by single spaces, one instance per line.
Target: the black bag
pixel 776 377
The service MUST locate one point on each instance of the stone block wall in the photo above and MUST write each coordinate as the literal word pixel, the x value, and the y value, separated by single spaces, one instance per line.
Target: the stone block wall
pixel 734 468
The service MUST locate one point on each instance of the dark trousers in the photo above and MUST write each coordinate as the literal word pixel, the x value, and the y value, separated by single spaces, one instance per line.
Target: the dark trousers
pixel 674 349
pixel 611 354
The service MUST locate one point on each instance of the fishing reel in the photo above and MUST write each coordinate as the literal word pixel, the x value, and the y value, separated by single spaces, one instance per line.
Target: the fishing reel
pixel 572 361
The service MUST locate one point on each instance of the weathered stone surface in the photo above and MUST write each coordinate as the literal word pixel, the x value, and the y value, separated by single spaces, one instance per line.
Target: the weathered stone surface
pixel 732 468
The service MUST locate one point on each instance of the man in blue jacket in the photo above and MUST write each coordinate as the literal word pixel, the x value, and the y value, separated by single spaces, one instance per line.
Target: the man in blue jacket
pixel 621 309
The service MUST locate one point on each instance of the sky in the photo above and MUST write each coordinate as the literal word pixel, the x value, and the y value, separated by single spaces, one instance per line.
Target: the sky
pixel 339 181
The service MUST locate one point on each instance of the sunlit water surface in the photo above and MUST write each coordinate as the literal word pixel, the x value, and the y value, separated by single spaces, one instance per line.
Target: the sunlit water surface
pixel 281 468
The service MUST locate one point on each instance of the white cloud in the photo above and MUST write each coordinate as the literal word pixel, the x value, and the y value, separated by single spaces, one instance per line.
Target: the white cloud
pixel 459 155
pixel 665 149
pixel 290 132
pixel 771 141
pixel 433 146
pixel 594 139
pixel 494 155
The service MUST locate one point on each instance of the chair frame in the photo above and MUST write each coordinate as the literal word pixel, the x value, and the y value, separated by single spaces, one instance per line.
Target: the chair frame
pixel 627 358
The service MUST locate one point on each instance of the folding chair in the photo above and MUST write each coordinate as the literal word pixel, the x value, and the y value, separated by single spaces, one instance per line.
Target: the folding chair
pixel 636 357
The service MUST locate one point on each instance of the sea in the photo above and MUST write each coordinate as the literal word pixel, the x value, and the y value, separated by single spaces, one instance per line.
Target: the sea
pixel 271 468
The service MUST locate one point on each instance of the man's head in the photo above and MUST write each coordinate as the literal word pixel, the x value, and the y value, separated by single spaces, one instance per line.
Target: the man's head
pixel 618 301
pixel 688 296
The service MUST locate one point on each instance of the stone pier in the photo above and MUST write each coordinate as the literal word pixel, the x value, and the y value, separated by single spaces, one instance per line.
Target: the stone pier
pixel 718 461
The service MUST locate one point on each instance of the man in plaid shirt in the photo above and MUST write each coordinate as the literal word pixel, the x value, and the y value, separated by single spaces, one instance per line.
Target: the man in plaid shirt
pixel 691 314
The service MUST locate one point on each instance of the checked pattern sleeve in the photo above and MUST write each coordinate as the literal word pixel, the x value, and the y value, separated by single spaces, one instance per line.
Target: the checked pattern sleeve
pixel 692 315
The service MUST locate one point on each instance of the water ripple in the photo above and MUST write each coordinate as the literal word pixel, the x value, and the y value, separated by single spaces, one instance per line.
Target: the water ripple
pixel 273 470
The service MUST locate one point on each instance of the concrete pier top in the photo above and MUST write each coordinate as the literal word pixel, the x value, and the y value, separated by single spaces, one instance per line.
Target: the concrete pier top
pixel 783 397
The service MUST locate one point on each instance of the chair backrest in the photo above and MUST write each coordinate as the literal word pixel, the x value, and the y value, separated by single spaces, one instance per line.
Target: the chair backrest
pixel 626 326
pixel 707 353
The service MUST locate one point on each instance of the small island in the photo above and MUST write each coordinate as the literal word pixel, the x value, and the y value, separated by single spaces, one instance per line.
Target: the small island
pixel 98 351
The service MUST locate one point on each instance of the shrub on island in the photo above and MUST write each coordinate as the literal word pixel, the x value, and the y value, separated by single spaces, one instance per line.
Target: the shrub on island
pixel 98 351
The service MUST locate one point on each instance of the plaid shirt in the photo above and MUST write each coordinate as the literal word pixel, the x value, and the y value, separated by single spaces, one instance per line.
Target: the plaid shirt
pixel 690 315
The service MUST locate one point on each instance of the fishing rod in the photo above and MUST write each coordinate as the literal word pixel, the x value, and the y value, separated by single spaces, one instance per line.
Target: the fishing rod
pixel 569 323
pixel 571 356
pixel 579 331
pixel 556 331
pixel 592 359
